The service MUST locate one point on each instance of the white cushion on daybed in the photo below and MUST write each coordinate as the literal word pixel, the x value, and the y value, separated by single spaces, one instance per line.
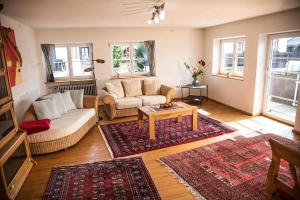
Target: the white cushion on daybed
pixel 66 125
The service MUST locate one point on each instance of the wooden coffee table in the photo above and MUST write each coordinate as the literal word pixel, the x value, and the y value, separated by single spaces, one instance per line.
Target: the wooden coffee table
pixel 152 115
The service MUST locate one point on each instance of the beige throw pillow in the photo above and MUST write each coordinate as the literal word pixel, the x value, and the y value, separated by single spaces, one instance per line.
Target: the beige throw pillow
pixel 151 87
pixel 132 88
pixel 115 88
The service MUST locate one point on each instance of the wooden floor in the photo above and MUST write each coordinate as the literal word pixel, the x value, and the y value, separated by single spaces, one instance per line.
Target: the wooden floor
pixel 92 148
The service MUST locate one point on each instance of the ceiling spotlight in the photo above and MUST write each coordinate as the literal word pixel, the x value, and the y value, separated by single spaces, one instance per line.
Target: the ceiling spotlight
pixel 158 14
pixel 156 20
pixel 162 15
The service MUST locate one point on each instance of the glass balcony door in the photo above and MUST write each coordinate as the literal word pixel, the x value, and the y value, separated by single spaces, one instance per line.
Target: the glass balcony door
pixel 283 77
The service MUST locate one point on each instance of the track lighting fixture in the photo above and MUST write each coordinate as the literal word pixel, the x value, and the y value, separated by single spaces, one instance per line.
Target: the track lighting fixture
pixel 158 15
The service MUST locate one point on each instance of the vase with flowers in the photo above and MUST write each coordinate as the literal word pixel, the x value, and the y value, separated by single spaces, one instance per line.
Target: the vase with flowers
pixel 196 71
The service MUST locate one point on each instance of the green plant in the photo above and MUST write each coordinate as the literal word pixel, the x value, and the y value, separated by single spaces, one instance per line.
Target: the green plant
pixel 140 57
pixel 117 54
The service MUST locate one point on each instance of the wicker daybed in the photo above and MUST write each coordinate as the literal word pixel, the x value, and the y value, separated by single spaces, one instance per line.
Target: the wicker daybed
pixel 52 145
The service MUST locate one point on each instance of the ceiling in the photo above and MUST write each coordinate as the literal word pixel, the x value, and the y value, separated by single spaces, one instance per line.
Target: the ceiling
pixel 120 13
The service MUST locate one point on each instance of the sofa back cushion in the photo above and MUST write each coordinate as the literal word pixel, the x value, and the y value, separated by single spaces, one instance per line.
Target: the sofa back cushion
pixel 115 88
pixel 151 87
pixel 46 109
pixel 77 98
pixel 132 88
pixel 60 105
pixel 68 101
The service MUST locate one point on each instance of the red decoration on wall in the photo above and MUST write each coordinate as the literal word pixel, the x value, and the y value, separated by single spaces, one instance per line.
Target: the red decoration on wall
pixel 12 56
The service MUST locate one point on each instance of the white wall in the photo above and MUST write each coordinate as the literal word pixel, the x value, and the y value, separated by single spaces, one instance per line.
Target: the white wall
pixel 173 47
pixel 247 95
pixel 31 87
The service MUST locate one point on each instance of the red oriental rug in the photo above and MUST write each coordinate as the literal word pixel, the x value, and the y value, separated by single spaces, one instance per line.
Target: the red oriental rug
pixel 115 179
pixel 228 169
pixel 126 138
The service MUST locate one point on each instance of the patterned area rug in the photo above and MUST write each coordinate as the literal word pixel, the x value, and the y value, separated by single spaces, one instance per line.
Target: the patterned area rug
pixel 126 138
pixel 116 179
pixel 228 169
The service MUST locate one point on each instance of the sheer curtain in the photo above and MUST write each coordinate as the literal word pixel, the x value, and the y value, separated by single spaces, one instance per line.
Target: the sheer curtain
pixel 49 53
pixel 150 46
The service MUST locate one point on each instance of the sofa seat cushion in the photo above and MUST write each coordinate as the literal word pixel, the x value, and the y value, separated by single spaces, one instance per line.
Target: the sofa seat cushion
pixel 152 100
pixel 66 125
pixel 128 102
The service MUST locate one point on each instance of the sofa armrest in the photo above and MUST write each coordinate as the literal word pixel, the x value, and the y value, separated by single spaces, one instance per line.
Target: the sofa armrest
pixel 109 102
pixel 106 97
pixel 29 115
pixel 91 102
pixel 168 92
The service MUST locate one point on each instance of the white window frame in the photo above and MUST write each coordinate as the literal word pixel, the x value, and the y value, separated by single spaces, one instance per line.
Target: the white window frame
pixel 132 59
pixel 70 66
pixel 234 58
pixel 268 71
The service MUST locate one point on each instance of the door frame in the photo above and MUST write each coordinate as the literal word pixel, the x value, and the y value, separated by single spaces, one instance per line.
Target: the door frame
pixel 267 70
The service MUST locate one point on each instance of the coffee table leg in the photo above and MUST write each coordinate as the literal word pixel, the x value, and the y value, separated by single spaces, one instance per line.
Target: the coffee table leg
pixel 179 118
pixel 195 120
pixel 140 119
pixel 151 128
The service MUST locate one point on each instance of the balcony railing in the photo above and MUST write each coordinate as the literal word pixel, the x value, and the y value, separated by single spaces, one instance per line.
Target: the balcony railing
pixel 284 88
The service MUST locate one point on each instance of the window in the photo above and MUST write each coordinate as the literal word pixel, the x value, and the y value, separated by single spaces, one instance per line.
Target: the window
pixel 70 60
pixel 232 57
pixel 283 76
pixel 129 58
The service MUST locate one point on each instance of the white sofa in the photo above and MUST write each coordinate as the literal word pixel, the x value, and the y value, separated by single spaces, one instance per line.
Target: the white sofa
pixel 64 131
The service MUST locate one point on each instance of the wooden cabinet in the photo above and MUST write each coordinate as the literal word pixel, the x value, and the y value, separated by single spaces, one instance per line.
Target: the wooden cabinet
pixel 15 157
pixel 5 90
pixel 15 165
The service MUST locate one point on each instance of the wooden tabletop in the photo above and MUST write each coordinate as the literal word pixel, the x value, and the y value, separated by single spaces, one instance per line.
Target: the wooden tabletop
pixel 148 110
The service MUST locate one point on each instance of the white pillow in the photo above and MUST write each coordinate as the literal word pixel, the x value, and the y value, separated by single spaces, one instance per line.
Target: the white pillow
pixel 66 96
pixel 115 88
pixel 77 98
pixel 46 109
pixel 58 100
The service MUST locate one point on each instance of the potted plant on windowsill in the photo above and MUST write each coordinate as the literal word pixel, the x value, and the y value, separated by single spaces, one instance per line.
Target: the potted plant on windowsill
pixel 196 71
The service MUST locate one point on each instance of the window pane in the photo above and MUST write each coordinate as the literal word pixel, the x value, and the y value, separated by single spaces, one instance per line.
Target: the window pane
pixel 60 62
pixel 227 56
pixel 140 63
pixel 81 59
pixel 140 66
pixel 79 67
pixel 123 66
pixel 286 55
pixel 240 49
pixel 121 58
